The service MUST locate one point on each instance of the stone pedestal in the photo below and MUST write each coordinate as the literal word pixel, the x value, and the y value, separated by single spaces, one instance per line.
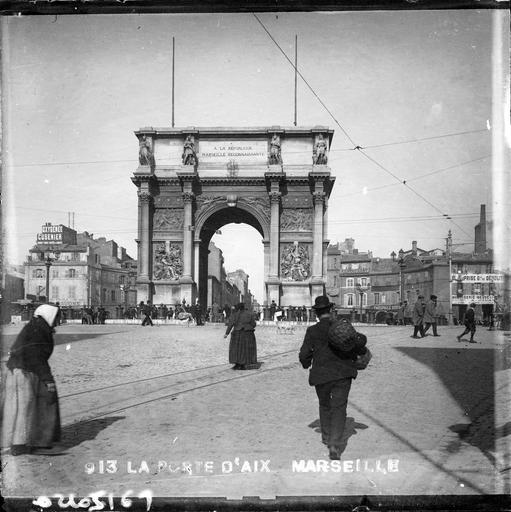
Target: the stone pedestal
pixel 167 293
pixel 295 293
pixel 144 291
pixel 317 288
pixel 188 290
pixel 275 168
pixel 273 291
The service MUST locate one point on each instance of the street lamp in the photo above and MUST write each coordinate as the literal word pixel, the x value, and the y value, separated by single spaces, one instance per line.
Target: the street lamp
pixel 361 289
pixel 48 261
pixel 125 288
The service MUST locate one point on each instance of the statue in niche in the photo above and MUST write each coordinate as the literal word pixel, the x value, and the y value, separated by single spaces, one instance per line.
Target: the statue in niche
pixel 275 158
pixel 168 264
pixel 296 220
pixel 319 156
pixel 145 151
pixel 189 156
pixel 168 219
pixel 295 265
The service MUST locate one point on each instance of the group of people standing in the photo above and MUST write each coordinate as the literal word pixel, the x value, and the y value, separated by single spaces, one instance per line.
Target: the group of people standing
pixel 295 313
pixel 182 311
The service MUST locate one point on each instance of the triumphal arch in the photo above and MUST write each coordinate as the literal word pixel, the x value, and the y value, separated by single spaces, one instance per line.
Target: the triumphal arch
pixel 192 181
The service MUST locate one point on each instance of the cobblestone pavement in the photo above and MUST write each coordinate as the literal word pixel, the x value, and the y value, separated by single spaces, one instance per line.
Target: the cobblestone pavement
pixel 163 403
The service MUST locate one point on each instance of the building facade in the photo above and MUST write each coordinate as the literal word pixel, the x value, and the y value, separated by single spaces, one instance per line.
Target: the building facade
pixel 76 270
pixel 364 286
pixel 221 291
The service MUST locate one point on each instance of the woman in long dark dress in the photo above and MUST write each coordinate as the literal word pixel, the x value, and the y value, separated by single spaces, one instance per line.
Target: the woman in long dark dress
pixel 242 347
pixel 31 420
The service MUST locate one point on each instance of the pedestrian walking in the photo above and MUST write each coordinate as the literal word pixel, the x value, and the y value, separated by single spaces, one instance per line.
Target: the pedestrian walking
pixel 470 323
pixel 273 309
pixel 31 421
pixel 146 311
pixel 431 316
pixel 198 313
pixel 418 317
pixel 400 317
pixel 330 375
pixel 242 347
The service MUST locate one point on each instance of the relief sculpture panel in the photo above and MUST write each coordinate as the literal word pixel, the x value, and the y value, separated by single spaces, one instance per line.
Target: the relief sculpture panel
pixel 168 218
pixel 262 204
pixel 295 262
pixel 299 219
pixel 168 263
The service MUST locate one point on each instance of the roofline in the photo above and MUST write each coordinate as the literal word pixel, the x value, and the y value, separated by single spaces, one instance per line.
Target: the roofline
pixel 236 130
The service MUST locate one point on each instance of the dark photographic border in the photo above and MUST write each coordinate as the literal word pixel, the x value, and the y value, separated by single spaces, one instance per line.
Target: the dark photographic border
pixel 354 503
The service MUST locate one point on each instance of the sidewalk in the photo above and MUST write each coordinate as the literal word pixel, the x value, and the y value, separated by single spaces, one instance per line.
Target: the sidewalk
pixel 163 404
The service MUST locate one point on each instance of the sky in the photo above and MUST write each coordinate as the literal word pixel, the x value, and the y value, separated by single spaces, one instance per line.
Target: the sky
pixel 77 87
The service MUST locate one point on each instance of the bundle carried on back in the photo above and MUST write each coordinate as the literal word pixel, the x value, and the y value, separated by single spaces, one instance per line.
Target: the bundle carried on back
pixel 347 343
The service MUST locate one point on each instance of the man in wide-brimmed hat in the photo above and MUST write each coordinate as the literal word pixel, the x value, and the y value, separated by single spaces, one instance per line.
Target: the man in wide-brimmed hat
pixel 418 317
pixel 431 315
pixel 330 375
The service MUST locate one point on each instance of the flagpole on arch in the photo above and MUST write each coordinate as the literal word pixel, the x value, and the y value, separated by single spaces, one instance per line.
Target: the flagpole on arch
pixel 296 70
pixel 173 55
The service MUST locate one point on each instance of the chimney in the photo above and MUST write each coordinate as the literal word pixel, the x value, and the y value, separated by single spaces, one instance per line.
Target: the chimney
pixel 414 247
pixel 480 232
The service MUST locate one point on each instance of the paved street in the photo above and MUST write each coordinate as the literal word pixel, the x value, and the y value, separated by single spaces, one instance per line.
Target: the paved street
pixel 163 403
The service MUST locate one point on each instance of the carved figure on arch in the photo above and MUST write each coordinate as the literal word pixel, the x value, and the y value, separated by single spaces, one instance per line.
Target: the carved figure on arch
pixel 295 263
pixel 259 203
pixel 189 156
pixel 168 264
pixel 169 218
pixel 299 219
pixel 320 156
pixel 275 157
pixel 145 151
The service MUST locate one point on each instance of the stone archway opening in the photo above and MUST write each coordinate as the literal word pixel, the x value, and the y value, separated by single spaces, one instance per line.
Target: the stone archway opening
pixel 237 236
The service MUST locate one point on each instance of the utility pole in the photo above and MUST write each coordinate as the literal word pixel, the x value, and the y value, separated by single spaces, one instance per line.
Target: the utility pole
pixel 449 256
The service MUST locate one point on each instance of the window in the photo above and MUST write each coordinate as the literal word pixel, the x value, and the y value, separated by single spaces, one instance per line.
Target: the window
pixel 112 295
pixel 349 299
pixel 71 273
pixel 54 273
pixel 335 281
pixel 376 298
pixel 121 279
pixel 54 292
pixel 383 299
pixel 350 282
pixel 364 299
pixel 103 295
pixel 72 292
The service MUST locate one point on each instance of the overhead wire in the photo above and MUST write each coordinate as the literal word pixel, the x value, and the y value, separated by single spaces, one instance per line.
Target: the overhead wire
pixel 304 80
pixel 415 178
pixel 414 191
pixel 357 147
